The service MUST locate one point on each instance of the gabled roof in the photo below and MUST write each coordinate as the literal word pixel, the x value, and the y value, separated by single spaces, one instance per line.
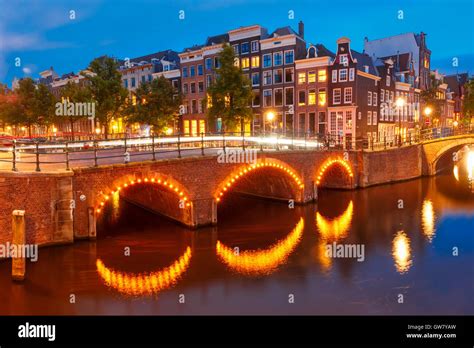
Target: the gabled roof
pixel 168 55
pixel 217 39
pixel 322 51
pixel 362 60
pixel 284 31
pixel 456 81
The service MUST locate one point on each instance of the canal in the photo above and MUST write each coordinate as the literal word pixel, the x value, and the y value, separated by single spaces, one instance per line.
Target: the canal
pixel 263 257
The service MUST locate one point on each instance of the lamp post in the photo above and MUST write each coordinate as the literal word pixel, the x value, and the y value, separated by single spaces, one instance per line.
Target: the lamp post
pixel 400 103
pixel 270 117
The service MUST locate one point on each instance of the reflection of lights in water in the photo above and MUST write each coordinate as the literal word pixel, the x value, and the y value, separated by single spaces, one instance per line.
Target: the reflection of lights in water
pixel 261 261
pixel 337 228
pixel 323 259
pixel 144 283
pixel 456 172
pixel 470 165
pixel 401 252
pixel 428 219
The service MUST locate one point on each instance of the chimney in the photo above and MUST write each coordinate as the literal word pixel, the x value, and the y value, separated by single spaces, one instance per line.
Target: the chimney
pixel 301 29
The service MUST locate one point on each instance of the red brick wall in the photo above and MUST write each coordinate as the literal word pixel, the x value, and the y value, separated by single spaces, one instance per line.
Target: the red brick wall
pixel 38 195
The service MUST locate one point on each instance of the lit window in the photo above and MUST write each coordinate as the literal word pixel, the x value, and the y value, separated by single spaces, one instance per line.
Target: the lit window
pixel 322 75
pixel 245 63
pixel 322 96
pixel 301 77
pixel 311 76
pixel 312 97
pixel 255 61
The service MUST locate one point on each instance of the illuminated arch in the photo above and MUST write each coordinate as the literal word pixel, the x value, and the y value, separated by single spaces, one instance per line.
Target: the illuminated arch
pixel 330 162
pixel 168 183
pixel 144 283
pixel 246 169
pixel 336 228
pixel 260 262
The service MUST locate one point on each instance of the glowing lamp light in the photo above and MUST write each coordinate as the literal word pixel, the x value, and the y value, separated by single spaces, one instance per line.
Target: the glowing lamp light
pixel 270 116
pixel 169 131
pixel 97 130
pixel 400 102
pixel 233 178
pixel 427 111
pixel 173 188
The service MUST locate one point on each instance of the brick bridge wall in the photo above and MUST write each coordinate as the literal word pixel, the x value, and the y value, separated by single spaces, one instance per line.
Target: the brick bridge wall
pixel 63 206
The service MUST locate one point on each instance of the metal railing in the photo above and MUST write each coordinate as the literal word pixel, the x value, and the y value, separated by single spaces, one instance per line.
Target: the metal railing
pixel 67 154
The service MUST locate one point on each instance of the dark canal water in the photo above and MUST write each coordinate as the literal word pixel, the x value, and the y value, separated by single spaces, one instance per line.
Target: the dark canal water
pixel 409 232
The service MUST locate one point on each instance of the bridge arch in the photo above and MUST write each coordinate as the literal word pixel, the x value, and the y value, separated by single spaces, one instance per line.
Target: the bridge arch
pixel 174 201
pixel 325 170
pixel 438 149
pixel 294 180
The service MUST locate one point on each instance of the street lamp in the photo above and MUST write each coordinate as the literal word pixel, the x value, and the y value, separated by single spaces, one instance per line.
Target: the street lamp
pixel 427 112
pixel 400 103
pixel 270 117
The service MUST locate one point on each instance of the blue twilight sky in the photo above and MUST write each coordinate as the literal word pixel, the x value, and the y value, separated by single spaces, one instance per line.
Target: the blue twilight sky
pixel 41 34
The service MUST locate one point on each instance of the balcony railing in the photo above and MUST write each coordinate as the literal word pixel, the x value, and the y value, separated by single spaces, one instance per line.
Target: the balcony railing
pixel 58 154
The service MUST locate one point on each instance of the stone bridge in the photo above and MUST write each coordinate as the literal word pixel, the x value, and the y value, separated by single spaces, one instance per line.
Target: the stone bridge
pixel 63 206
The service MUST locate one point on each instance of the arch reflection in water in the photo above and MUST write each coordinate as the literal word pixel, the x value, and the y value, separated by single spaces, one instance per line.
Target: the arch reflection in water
pixel 428 219
pixel 336 228
pixel 261 262
pixel 144 283
pixel 401 252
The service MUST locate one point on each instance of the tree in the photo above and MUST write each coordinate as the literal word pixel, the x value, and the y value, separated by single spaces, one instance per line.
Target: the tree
pixel 105 86
pixel 75 93
pixel 44 106
pixel 430 99
pixel 231 94
pixel 28 105
pixel 157 104
pixel 468 102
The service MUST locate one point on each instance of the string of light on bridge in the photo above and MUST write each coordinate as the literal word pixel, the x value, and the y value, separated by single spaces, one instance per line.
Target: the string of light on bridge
pixel 331 162
pixel 248 169
pixel 173 187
